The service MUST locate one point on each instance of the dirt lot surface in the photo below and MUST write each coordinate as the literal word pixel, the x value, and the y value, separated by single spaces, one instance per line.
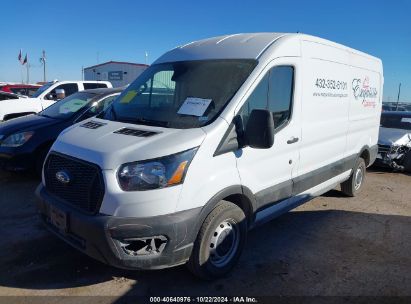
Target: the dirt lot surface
pixel 333 245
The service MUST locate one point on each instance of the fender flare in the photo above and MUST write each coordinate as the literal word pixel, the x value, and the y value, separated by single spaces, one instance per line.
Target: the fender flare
pixel 372 154
pixel 226 192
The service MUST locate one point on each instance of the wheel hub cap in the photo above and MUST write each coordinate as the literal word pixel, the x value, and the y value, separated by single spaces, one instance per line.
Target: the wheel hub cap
pixel 359 175
pixel 224 243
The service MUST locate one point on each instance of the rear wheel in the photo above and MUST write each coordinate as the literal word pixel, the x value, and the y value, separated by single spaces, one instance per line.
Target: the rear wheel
pixel 220 242
pixel 353 186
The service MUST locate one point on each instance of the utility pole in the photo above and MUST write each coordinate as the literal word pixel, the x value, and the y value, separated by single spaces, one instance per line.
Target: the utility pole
pixel 398 97
pixel 43 62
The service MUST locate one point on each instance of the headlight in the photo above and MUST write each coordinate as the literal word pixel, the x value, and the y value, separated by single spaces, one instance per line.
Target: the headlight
pixel 16 140
pixel 155 173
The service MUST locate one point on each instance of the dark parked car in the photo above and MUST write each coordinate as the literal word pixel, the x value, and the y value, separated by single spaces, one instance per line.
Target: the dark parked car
pixel 25 141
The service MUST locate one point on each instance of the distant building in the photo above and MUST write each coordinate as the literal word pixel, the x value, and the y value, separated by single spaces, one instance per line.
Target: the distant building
pixel 118 73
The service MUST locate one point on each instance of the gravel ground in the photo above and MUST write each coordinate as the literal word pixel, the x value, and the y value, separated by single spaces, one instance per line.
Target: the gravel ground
pixel 331 246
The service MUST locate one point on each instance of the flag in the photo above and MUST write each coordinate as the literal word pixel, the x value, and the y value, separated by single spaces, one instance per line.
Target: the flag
pixel 25 60
pixel 20 57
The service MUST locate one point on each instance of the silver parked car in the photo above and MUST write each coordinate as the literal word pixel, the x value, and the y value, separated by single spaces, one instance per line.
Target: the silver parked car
pixel 394 143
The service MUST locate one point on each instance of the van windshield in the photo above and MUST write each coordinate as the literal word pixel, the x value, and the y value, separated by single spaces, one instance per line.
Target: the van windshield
pixel 185 94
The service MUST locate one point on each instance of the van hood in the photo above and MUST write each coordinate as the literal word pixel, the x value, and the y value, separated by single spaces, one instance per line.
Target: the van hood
pixel 110 150
pixel 389 137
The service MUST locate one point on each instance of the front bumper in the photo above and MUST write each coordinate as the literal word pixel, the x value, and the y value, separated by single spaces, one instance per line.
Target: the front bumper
pixel 11 159
pixel 104 237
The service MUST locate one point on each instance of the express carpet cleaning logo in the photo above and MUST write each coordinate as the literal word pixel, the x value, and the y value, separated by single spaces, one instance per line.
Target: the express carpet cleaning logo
pixel 362 90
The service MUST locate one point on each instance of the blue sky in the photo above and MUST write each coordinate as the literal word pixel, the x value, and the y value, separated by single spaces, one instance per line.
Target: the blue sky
pixel 78 33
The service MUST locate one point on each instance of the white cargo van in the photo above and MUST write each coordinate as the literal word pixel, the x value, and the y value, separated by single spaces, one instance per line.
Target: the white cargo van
pixel 44 97
pixel 215 137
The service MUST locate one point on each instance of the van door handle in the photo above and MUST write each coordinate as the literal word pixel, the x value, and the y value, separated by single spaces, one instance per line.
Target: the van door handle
pixel 292 140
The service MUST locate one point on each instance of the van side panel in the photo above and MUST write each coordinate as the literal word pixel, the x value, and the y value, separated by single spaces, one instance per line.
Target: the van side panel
pixel 208 175
pixel 325 107
pixel 365 103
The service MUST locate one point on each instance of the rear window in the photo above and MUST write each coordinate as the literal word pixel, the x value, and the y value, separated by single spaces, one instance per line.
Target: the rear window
pixel 24 91
pixel 21 91
pixel 89 86
pixel 31 91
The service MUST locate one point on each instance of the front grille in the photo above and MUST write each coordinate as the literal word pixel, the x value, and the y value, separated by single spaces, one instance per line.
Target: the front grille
pixel 85 188
pixel 135 132
pixel 383 149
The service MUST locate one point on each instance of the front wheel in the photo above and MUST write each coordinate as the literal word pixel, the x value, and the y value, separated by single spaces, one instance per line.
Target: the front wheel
pixel 407 162
pixel 353 186
pixel 220 242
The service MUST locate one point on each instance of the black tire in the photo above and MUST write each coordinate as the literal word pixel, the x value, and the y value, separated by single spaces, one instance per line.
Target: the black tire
pixel 225 222
pixel 353 186
pixel 407 162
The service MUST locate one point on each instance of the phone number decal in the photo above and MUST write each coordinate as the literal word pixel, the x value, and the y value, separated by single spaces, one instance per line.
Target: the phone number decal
pixel 330 84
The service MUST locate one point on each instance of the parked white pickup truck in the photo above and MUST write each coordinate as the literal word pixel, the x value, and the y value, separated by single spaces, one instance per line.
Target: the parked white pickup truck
pixel 44 97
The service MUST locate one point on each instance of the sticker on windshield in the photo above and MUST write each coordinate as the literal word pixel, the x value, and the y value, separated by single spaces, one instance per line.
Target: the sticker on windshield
pixel 128 97
pixel 194 106
pixel 406 119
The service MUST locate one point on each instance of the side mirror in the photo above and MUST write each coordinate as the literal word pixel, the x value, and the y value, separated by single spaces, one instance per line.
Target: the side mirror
pixel 259 131
pixel 50 97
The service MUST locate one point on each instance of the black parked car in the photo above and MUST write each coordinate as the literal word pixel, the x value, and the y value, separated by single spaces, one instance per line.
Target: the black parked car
pixel 25 141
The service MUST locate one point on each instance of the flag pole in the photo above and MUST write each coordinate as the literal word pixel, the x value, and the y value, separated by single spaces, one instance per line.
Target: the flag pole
pixel 20 57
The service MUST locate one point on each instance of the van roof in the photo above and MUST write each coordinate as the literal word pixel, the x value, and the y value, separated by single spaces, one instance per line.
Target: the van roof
pixel 249 46
pixel 239 46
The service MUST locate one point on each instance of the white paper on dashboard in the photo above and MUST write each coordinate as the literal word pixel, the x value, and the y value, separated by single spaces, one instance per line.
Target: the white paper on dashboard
pixel 194 106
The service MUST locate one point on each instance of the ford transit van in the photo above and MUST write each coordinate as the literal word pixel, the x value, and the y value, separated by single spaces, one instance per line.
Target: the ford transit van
pixel 214 138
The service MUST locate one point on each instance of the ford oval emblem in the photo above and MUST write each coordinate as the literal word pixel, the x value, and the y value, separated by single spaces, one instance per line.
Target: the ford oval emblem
pixel 63 177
